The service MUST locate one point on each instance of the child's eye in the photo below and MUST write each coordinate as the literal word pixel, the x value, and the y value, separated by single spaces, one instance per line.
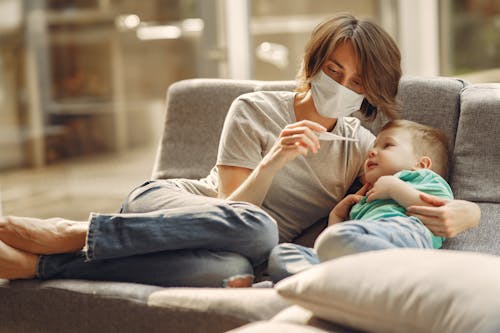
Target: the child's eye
pixel 387 145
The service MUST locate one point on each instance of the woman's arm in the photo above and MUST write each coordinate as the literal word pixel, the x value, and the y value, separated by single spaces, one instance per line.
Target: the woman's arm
pixel 251 186
pixel 446 218
pixel 230 178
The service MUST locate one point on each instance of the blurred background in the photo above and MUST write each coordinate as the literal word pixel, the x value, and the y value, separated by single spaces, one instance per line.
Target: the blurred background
pixel 82 82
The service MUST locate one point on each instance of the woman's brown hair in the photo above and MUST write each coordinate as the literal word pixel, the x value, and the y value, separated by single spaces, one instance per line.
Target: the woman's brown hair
pixel 379 60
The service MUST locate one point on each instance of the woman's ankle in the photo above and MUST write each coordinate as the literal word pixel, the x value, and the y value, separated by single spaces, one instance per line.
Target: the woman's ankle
pixel 17 264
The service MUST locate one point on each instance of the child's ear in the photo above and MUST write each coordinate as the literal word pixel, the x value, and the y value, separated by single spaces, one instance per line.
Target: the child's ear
pixel 424 162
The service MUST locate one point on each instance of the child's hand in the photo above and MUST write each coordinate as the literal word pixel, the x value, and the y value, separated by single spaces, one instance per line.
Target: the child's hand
pixel 340 212
pixel 382 188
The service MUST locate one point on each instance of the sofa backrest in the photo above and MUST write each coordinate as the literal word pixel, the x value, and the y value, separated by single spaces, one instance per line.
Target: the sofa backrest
pixel 476 165
pixel 476 158
pixel 196 108
pixel 469 114
pixel 433 101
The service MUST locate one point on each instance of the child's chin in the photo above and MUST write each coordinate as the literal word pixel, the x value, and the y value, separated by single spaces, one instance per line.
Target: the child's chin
pixel 371 180
pixel 371 175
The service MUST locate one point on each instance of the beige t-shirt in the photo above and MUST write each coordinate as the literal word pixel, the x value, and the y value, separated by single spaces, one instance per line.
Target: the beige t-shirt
pixel 307 188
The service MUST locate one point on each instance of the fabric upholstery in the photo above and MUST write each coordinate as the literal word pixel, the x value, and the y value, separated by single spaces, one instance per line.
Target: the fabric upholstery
pixel 298 315
pixel 77 306
pixel 217 309
pixel 476 156
pixel 476 161
pixel 483 238
pixel 432 101
pixel 403 290
pixel 94 306
pixel 278 327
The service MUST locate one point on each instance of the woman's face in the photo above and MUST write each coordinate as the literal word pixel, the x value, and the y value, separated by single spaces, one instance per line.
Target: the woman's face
pixel 343 65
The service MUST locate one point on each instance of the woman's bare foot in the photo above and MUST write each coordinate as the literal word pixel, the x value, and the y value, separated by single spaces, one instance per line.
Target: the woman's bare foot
pixel 43 236
pixel 16 264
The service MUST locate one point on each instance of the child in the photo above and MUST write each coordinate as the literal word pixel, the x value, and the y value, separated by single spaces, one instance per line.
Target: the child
pixel 407 158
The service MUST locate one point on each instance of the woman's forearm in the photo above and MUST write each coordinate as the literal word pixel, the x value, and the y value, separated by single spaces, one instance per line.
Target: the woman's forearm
pixel 296 139
pixel 255 187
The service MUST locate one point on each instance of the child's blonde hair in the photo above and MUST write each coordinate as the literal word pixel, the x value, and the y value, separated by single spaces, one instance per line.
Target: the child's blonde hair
pixel 427 141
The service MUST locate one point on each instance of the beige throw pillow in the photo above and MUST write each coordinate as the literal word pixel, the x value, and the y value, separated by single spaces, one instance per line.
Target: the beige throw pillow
pixel 403 290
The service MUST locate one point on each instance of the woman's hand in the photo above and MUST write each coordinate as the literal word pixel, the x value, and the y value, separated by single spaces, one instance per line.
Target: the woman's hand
pixel 295 139
pixel 340 212
pixel 242 184
pixel 446 218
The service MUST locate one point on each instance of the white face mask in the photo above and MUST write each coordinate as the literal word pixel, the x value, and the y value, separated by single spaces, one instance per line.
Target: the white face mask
pixel 333 100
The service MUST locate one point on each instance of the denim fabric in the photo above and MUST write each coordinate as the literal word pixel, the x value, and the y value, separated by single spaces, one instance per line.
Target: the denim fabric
pixel 193 268
pixel 288 259
pixel 347 238
pixel 185 239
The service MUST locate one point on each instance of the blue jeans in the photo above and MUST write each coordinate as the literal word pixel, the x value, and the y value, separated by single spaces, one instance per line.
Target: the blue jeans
pixel 347 238
pixel 167 236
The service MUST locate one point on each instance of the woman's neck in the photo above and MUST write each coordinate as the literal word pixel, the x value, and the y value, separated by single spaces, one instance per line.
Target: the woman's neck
pixel 305 110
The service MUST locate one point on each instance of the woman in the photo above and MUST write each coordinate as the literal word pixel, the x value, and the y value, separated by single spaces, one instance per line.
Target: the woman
pixel 272 173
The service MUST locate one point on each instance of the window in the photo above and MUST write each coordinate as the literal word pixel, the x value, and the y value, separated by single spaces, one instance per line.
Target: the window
pixel 280 29
pixel 470 39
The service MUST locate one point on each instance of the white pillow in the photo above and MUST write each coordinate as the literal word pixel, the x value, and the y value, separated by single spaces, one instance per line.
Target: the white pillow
pixel 403 290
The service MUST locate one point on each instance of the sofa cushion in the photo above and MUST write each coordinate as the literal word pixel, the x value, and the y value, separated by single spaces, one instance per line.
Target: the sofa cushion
pixel 403 290
pixel 213 308
pixel 77 306
pixel 477 157
pixel 300 316
pixel 484 237
pixel 277 327
pixel 94 306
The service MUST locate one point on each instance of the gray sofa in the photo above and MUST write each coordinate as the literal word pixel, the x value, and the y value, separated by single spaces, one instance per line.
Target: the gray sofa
pixel 468 113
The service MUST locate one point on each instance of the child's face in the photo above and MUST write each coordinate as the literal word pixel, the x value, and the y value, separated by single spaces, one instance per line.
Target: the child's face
pixel 391 153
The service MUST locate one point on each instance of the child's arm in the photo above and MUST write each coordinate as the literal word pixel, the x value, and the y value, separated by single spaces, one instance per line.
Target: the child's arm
pixel 340 212
pixel 391 187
